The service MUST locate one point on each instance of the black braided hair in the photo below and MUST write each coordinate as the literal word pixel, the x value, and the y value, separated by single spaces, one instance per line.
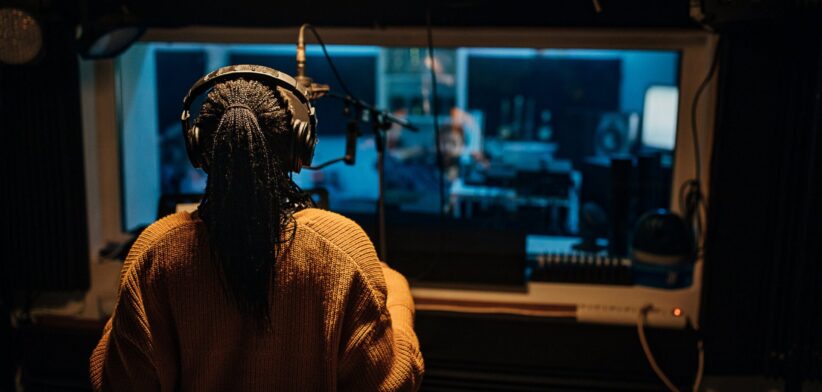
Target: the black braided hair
pixel 249 198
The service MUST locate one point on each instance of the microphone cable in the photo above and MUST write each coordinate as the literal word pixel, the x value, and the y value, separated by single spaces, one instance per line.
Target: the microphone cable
pixel 695 104
pixel 440 169
pixel 435 111
pixel 692 201
pixel 336 76
pixel 381 146
pixel 328 59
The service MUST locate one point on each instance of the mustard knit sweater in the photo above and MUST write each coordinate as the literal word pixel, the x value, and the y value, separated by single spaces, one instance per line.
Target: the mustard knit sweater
pixel 341 319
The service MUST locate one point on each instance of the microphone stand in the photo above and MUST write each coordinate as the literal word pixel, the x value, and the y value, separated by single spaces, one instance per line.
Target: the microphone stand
pixel 379 141
pixel 382 115
pixel 378 117
pixel 381 121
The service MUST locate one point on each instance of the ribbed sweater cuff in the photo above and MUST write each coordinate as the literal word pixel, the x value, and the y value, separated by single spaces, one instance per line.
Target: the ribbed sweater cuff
pixel 399 292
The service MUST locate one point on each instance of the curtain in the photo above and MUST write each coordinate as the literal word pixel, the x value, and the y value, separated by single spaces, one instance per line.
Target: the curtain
pixel 43 186
pixel 763 288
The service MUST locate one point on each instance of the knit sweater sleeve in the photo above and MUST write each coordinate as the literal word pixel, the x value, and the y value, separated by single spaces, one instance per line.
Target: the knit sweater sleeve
pixel 136 352
pixel 380 351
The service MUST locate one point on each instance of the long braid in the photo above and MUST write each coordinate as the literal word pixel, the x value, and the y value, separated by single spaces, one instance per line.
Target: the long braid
pixel 249 197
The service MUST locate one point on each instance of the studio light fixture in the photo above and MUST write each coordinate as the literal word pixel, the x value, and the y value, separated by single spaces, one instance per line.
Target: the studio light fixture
pixel 108 35
pixel 21 36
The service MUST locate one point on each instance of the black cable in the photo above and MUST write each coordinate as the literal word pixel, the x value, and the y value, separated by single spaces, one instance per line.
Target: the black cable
pixel 381 146
pixel 330 62
pixel 691 204
pixel 435 111
pixel 324 164
pixel 699 91
pixel 692 201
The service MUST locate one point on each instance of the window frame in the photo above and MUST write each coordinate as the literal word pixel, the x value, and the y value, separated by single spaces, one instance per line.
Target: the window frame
pixel 102 120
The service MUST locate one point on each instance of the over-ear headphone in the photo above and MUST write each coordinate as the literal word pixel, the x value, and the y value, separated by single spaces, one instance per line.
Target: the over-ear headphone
pixel 303 123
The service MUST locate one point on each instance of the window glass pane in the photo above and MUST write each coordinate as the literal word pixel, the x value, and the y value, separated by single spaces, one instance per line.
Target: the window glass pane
pixel 534 142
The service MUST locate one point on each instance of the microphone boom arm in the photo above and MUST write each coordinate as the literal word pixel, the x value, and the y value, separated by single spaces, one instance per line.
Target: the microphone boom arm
pixel 381 115
pixel 381 119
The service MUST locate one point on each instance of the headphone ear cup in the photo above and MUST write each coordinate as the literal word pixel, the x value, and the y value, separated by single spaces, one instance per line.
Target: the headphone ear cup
pixel 193 146
pixel 301 154
pixel 303 123
pixel 310 144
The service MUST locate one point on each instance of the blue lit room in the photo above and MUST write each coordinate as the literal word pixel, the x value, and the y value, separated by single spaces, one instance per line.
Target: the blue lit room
pixel 594 195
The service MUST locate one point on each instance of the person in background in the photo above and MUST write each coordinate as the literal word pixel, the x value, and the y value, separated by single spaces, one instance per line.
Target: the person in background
pixel 461 145
pixel 256 290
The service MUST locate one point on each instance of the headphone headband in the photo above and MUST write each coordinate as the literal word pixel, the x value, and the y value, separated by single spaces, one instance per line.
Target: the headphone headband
pixel 304 120
pixel 246 71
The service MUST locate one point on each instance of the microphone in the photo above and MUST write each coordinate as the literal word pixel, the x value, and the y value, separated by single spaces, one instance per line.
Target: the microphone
pixel 301 78
pixel 352 131
pixel 315 90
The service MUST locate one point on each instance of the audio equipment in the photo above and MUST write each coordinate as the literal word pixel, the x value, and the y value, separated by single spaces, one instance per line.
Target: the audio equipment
pixel 613 134
pixel 580 267
pixel 663 250
pixel 585 286
pixel 621 171
pixel 649 182
pixel 303 122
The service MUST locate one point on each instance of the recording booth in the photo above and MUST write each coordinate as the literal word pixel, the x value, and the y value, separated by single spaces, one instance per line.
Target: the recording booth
pixel 563 195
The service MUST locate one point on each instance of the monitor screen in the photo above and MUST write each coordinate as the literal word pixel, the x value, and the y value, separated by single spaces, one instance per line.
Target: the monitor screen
pixel 659 117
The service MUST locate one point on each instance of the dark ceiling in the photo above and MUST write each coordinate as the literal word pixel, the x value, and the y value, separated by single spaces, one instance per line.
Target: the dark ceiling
pixel 614 13
pixel 372 13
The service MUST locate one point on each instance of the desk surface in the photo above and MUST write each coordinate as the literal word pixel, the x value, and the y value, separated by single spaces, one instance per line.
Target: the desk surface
pixel 597 303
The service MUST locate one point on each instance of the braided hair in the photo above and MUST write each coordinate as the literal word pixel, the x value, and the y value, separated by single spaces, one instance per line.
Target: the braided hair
pixel 249 198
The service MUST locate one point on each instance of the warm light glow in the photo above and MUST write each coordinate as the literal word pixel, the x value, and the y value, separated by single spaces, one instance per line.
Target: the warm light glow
pixel 677 312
